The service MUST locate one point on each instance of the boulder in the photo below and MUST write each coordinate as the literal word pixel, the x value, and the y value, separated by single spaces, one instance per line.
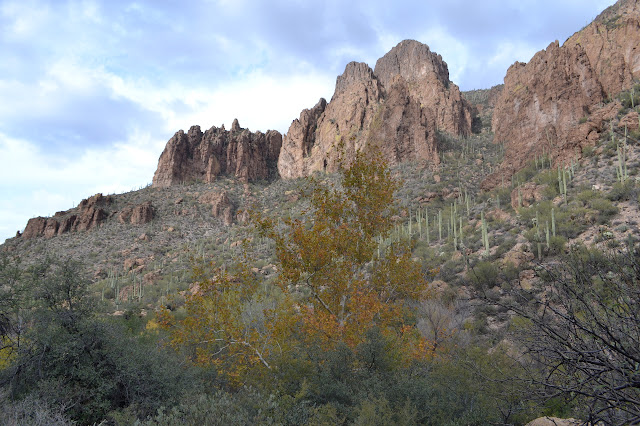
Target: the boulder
pixel 142 213
pixel 221 206
pixel 35 228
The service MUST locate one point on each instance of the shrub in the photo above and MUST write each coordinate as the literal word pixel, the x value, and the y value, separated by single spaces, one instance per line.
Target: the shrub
pixel 483 275
pixel 622 191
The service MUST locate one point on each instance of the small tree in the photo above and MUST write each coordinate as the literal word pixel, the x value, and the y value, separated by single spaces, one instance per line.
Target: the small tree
pixel 583 332
pixel 331 256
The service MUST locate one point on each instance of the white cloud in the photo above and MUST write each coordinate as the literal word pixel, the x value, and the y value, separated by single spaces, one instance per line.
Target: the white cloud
pixel 507 52
pixel 34 183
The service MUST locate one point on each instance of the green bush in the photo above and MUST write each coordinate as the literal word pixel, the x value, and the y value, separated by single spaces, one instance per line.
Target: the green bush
pixel 71 358
pixel 606 209
pixel 623 191
pixel 483 275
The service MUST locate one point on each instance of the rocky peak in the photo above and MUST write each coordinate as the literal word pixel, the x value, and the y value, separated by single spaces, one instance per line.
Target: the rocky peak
pixel 201 156
pixel 611 42
pixel 398 108
pixel 557 101
pixel 413 61
pixel 355 73
pixel 428 78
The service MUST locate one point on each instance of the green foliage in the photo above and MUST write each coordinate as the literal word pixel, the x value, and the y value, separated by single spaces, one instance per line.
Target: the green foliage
pixel 483 275
pixel 623 191
pixel 70 358
pixel 247 406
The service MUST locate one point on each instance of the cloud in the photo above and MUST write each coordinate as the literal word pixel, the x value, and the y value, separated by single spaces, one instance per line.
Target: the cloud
pixel 35 183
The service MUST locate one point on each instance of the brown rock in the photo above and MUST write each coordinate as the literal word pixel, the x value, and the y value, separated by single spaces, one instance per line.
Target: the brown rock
pixel 612 43
pixel 95 200
pixel 125 215
pixel 526 195
pixel 410 128
pixel 556 102
pixel 397 109
pixel 51 228
pixel 345 120
pixel 35 228
pixel 142 213
pixel 151 278
pixel 527 278
pixel 297 143
pixel 67 224
pixel 543 102
pixel 198 156
pixel 221 206
pixel 517 256
pixel 90 218
pixel 427 75
pixel 630 121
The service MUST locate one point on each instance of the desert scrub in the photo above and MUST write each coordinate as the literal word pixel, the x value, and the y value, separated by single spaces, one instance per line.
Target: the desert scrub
pixel 623 191
pixel 570 221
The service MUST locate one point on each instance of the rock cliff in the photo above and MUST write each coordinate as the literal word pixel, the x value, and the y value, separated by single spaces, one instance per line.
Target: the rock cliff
pixel 198 156
pixel 427 77
pixel 90 214
pixel 398 108
pixel 557 103
pixel 612 43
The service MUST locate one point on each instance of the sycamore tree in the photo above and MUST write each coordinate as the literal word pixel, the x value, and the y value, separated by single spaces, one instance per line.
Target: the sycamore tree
pixel 331 256
pixel 335 282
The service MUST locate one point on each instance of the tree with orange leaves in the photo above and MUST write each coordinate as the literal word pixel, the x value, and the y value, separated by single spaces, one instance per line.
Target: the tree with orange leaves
pixel 232 322
pixel 334 282
pixel 330 258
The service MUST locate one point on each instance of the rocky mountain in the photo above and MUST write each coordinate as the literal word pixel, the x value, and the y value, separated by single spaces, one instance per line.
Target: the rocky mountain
pixel 88 215
pixel 560 101
pixel 397 107
pixel 197 156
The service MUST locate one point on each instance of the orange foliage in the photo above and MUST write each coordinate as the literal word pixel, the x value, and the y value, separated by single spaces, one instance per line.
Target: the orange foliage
pixel 331 257
pixel 328 263
pixel 231 323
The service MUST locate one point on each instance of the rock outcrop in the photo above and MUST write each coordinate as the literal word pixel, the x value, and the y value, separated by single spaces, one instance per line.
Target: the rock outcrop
pixel 221 206
pixel 91 214
pixel 142 213
pixel 197 156
pixel 543 101
pixel 396 108
pixel 427 77
pixel 557 103
pixel 137 215
pixel 612 43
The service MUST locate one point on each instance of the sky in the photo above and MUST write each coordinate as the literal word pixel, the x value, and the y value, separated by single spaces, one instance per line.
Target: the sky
pixel 91 90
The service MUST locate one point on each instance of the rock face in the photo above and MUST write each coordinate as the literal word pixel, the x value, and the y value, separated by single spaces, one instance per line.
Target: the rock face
pixel 556 103
pixel 543 101
pixel 221 206
pixel 91 215
pixel 137 215
pixel 612 43
pixel 197 156
pixel 142 213
pixel 427 77
pixel 397 108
